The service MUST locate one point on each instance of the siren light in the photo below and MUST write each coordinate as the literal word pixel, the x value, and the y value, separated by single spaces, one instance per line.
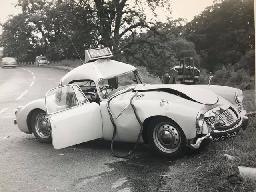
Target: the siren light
pixel 100 53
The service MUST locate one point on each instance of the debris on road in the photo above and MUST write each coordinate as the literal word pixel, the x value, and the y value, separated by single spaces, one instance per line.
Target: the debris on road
pixel 247 172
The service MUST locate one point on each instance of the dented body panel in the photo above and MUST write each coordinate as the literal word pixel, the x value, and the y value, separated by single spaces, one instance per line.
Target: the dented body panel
pixel 186 91
pixel 149 104
pixel 188 106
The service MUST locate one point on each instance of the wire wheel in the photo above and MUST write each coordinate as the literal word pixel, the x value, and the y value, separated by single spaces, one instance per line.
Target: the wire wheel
pixel 41 127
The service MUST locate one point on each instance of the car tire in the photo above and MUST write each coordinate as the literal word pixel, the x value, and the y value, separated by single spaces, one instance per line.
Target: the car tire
pixel 40 126
pixel 166 138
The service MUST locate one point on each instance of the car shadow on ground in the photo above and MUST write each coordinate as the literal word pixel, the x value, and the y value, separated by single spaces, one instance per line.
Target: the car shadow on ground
pixel 141 172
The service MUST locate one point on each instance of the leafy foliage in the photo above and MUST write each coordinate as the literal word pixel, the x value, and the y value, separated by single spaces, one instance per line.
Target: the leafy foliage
pixel 64 29
pixel 229 77
pixel 222 35
pixel 158 50
pixel 17 37
pixel 223 32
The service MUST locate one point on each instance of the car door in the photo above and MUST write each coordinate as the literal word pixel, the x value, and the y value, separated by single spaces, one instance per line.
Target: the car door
pixel 73 118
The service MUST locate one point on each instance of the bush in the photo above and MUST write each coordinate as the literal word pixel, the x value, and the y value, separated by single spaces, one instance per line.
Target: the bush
pixel 240 78
pixel 148 77
pixel 67 63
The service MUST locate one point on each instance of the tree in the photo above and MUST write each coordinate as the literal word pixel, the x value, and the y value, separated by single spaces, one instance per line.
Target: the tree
pixel 116 18
pixel 56 29
pixel 160 49
pixel 64 28
pixel 71 29
pixel 223 32
pixel 17 38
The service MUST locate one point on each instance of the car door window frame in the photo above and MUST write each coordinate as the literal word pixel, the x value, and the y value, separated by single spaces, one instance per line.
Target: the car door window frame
pixel 77 90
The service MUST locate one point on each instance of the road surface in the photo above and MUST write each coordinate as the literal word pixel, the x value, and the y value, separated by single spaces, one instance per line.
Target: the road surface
pixel 27 165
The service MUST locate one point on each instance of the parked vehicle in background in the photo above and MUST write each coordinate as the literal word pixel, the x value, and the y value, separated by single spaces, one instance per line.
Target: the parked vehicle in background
pixel 41 60
pixel 186 72
pixel 8 62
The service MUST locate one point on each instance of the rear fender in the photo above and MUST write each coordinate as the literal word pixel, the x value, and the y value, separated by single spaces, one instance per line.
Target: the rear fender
pixel 24 113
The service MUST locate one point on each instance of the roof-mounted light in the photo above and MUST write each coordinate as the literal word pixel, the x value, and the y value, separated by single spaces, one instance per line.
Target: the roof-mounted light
pixel 94 54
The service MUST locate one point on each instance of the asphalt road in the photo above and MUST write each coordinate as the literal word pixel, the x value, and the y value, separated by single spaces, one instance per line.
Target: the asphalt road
pixel 27 165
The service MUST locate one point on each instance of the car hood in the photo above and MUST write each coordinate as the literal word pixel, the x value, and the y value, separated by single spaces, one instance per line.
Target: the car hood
pixel 195 94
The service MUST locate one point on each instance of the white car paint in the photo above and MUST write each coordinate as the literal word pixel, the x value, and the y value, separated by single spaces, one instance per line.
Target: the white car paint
pixel 8 62
pixel 181 103
pixel 148 105
pixel 208 97
pixel 22 113
pixel 97 70
pixel 76 125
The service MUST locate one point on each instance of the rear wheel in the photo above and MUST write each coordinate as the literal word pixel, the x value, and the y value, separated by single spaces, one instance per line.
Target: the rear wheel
pixel 41 127
pixel 166 137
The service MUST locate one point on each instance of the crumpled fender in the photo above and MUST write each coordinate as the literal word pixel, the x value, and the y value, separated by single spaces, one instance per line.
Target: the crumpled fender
pixel 148 104
pixel 195 94
pixel 224 91
pixel 180 110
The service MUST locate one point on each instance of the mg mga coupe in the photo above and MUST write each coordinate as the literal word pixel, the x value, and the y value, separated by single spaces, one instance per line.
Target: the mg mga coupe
pixel 106 99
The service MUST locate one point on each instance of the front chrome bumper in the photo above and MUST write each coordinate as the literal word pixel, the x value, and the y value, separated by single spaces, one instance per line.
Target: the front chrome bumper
pixel 219 135
pixel 199 141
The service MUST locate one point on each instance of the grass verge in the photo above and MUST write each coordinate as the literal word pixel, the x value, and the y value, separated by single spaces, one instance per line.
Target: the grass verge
pixel 209 170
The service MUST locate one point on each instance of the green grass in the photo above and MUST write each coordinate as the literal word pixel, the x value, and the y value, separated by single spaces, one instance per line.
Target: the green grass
pixel 211 171
pixel 249 100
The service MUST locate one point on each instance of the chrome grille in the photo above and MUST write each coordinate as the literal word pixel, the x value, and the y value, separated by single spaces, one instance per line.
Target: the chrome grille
pixel 222 118
pixel 210 121
pixel 227 117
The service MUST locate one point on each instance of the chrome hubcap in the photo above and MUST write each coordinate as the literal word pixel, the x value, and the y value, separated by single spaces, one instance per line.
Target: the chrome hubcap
pixel 167 138
pixel 42 126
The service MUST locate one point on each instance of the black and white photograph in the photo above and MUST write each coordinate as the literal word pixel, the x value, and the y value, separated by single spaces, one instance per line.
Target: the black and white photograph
pixel 127 96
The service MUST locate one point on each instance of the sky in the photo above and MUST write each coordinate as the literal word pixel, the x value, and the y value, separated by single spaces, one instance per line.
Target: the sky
pixel 189 8
pixel 7 7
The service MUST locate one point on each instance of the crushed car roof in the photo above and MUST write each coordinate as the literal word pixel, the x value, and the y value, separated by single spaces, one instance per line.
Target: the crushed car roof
pixel 99 69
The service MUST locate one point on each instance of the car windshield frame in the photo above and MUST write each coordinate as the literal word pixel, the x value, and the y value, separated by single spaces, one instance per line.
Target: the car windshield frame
pixel 136 80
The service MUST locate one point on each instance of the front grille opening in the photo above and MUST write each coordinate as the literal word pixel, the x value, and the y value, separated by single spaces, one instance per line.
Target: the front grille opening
pixel 224 120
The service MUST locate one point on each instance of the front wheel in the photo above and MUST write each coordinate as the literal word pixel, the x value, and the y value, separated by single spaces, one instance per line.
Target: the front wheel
pixel 166 137
pixel 41 127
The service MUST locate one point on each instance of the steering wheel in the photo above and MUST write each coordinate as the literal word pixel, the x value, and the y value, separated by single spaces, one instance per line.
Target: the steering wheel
pixel 91 96
pixel 104 90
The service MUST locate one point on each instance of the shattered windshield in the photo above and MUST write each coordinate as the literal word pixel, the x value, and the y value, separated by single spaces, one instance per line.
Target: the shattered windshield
pixel 110 86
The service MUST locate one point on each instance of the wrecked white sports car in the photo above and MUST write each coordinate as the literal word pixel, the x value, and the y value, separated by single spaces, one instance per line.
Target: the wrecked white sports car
pixel 107 99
